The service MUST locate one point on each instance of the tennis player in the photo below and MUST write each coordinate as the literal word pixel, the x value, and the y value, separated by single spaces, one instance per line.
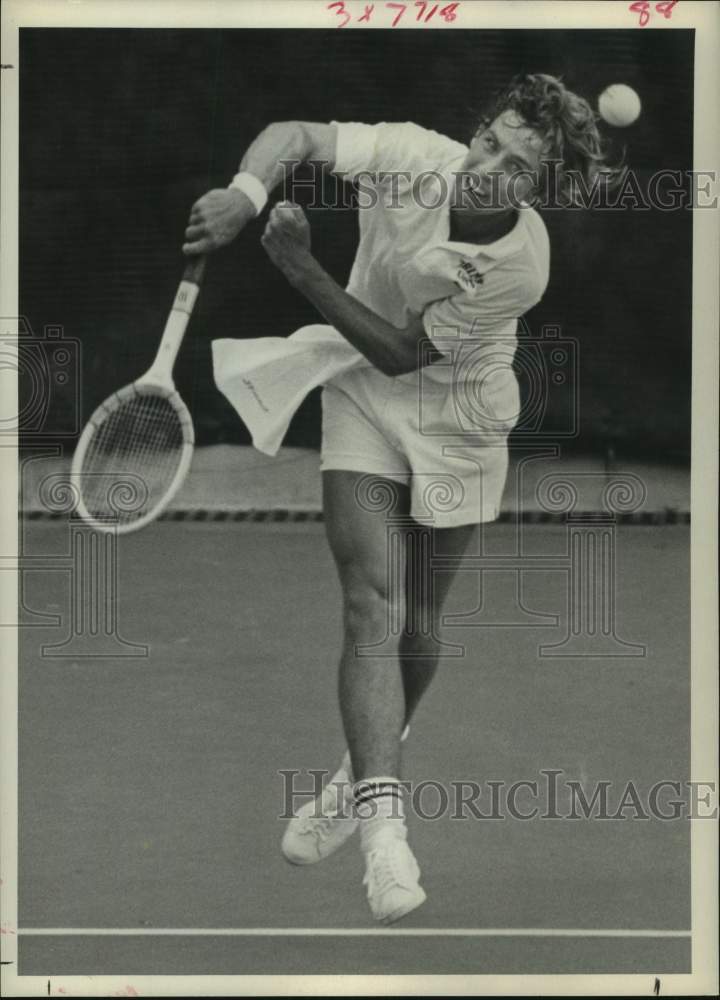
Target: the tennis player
pixel 450 256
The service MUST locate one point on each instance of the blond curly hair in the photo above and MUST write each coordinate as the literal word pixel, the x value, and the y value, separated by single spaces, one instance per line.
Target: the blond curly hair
pixel 568 127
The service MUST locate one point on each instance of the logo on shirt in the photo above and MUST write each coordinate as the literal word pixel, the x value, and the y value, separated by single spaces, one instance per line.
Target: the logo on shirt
pixel 468 276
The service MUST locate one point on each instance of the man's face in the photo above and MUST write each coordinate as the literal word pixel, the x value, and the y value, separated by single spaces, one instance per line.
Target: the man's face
pixel 503 163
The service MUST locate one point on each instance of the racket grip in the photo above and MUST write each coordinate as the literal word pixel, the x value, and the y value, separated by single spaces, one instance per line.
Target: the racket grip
pixel 195 269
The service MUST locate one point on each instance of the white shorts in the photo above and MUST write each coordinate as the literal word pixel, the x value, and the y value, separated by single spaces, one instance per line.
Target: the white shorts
pixel 421 433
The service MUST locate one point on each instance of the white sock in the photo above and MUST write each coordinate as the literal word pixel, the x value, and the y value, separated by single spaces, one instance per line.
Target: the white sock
pixel 379 807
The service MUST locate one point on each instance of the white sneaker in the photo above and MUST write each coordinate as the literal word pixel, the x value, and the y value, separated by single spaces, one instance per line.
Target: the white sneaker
pixel 322 826
pixel 391 877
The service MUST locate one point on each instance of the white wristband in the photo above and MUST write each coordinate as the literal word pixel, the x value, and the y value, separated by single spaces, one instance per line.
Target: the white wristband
pixel 252 187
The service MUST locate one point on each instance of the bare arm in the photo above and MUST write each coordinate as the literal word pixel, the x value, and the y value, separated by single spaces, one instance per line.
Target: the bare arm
pixel 393 350
pixel 218 217
pixel 294 141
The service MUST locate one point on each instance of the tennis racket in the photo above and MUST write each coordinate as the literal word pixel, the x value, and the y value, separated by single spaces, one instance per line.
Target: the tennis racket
pixel 135 450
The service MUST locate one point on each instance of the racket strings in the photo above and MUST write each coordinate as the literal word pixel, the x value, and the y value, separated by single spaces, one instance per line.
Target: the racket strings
pixel 132 459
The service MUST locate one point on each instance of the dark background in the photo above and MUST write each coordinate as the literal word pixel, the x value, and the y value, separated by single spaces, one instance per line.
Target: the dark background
pixel 121 130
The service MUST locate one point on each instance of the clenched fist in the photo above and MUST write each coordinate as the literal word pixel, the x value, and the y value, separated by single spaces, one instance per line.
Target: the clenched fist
pixel 216 219
pixel 287 238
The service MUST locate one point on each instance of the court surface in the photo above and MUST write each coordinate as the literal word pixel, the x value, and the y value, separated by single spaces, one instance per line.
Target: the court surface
pixel 150 791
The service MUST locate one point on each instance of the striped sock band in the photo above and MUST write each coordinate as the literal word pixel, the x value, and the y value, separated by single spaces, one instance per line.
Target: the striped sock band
pixel 378 798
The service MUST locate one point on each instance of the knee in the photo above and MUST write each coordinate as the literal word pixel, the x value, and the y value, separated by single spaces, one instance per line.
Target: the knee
pixel 368 609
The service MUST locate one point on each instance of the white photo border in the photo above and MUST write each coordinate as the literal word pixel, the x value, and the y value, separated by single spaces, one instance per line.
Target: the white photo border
pixel 704 17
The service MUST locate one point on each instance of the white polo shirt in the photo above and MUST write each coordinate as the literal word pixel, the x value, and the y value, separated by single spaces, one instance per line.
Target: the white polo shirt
pixel 468 295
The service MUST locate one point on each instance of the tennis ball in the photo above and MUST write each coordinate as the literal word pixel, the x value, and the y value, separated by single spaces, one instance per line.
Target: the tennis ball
pixel 619 105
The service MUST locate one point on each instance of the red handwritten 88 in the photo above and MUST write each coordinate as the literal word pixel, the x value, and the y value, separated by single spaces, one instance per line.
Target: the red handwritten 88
pixel 642 8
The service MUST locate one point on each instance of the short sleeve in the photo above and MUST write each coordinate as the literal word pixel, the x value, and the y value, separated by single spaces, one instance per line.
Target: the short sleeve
pixel 390 146
pixel 355 150
pixel 489 309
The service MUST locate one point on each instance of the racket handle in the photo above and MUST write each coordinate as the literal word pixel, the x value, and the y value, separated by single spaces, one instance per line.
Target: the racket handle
pixel 188 290
pixel 195 269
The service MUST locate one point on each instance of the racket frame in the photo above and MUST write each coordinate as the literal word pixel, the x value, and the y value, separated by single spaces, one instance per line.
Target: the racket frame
pixel 157 380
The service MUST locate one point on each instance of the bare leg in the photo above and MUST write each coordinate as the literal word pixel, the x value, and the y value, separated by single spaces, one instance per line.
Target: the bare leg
pixel 426 592
pixel 372 564
pixel 372 696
